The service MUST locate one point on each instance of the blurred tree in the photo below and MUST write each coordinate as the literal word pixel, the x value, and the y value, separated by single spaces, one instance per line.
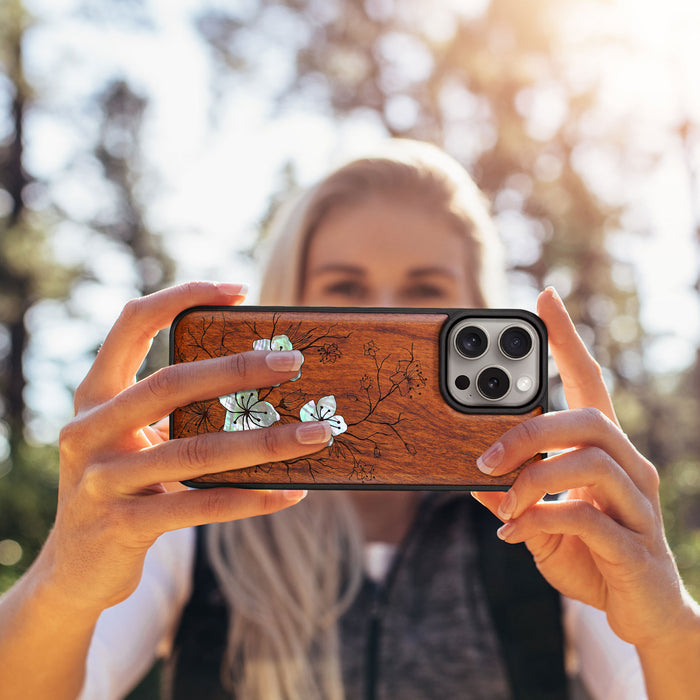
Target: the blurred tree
pixel 677 403
pixel 17 254
pixel 118 149
pixel 27 274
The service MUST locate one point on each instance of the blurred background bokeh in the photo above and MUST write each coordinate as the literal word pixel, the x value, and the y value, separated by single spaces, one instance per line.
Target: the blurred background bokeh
pixel 144 142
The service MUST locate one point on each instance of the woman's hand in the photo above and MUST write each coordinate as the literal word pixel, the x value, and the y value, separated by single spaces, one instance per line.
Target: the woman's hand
pixel 603 543
pixel 112 502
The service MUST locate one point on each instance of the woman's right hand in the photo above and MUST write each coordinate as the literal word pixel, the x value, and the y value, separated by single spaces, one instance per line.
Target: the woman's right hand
pixel 112 504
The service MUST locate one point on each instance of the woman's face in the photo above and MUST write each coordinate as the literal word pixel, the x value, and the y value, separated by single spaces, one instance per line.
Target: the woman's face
pixel 386 252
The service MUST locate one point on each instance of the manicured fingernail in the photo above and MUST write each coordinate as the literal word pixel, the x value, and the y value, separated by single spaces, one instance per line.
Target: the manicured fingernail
pixel 555 295
pixel 232 290
pixel 313 433
pixel 505 530
pixel 284 360
pixel 294 495
pixel 491 458
pixel 507 508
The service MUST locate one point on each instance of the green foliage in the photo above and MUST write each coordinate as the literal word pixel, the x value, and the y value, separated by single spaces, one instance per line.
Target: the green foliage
pixel 661 419
pixel 680 492
pixel 28 493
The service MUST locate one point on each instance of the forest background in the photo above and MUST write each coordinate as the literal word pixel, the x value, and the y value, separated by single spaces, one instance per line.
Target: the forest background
pixel 144 142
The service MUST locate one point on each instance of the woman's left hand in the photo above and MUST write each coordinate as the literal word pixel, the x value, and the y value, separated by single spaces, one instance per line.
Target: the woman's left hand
pixel 603 542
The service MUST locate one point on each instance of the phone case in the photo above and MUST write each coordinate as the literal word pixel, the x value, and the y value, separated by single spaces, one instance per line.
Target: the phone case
pixel 374 374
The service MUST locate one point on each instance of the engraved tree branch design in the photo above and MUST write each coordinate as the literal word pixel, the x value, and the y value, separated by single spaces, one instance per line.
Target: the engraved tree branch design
pixel 293 335
pixel 303 338
pixel 220 335
pixel 378 423
pixel 387 384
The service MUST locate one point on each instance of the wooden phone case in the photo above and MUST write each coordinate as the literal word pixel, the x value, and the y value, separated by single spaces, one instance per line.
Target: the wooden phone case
pixel 377 377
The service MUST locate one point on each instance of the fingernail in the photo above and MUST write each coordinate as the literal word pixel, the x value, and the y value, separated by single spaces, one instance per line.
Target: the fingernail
pixel 555 295
pixel 507 508
pixel 284 360
pixel 232 290
pixel 313 433
pixel 491 458
pixel 294 495
pixel 505 530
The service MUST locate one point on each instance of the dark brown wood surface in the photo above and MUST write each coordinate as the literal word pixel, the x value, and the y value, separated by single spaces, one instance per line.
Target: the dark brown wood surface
pixel 382 370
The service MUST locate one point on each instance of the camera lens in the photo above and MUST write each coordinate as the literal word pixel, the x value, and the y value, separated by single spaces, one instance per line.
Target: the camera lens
pixel 515 342
pixel 493 383
pixel 471 342
pixel 462 382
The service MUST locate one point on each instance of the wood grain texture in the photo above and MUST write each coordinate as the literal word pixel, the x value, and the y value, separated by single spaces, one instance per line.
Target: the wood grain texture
pixel 382 370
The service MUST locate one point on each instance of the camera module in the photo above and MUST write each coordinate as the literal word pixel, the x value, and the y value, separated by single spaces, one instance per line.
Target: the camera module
pixel 493 383
pixel 515 342
pixel 471 342
pixel 493 361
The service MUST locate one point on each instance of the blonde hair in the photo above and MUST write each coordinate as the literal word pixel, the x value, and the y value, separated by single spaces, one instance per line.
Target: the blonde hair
pixel 288 577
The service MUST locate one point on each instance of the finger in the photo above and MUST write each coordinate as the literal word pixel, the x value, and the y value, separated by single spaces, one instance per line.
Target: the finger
pixel 607 539
pixel 580 374
pixel 159 431
pixel 172 511
pixel 550 550
pixel 490 499
pixel 583 427
pixel 590 468
pixel 188 458
pixel 542 545
pixel 130 338
pixel 157 395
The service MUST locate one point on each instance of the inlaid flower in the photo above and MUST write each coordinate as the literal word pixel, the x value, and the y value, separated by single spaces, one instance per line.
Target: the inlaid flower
pixel 245 411
pixel 278 342
pixel 324 410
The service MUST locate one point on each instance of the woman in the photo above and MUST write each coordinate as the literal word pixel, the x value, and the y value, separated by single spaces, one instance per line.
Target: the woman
pixel 293 580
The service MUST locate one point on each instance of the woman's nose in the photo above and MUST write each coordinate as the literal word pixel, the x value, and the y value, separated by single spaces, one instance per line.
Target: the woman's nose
pixel 386 297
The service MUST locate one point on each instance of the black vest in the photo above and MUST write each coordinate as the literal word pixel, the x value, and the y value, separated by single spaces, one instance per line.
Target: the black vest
pixel 524 611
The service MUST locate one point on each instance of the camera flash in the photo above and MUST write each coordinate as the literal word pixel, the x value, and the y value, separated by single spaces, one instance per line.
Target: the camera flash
pixel 524 383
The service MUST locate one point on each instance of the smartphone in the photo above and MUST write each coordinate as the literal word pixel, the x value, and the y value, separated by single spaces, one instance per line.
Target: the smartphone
pixel 413 396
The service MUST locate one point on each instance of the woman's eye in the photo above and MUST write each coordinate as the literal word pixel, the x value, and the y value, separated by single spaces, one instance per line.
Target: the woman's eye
pixel 426 291
pixel 348 289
